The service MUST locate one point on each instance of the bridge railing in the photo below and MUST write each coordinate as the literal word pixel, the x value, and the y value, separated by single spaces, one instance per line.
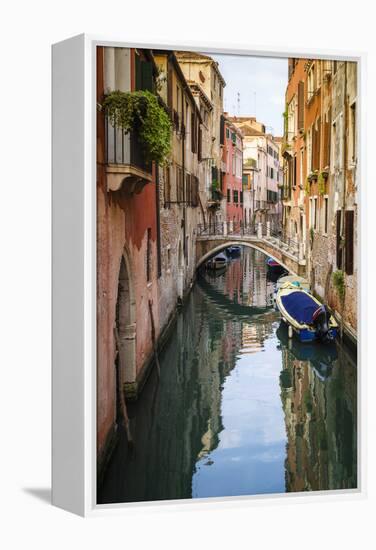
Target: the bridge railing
pixel 261 231
pixel 224 228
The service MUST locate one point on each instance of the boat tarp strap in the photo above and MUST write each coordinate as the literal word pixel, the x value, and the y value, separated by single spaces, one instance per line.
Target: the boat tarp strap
pixel 300 306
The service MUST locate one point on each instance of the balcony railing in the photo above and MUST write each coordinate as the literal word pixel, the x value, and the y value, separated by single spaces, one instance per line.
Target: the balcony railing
pixel 125 159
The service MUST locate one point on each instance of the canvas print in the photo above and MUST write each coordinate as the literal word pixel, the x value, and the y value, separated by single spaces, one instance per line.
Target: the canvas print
pixel 227 261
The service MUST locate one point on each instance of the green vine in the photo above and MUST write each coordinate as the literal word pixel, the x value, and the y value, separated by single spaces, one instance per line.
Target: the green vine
pixel 339 283
pixel 312 234
pixel 140 111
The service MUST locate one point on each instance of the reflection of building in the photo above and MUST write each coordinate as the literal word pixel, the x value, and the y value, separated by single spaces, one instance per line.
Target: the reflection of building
pixel 320 417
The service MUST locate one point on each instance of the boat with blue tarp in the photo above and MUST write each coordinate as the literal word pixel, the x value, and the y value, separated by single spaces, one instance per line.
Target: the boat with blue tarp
pixel 308 318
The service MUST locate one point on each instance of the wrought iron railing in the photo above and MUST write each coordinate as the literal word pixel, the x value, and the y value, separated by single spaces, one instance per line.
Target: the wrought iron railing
pixel 124 148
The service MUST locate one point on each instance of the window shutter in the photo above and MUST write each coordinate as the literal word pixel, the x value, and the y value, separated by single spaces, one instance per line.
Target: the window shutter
pixel 222 131
pixel 338 240
pixel 349 242
pixel 146 76
pixel 169 86
pixel 318 146
pixel 200 144
pixel 301 105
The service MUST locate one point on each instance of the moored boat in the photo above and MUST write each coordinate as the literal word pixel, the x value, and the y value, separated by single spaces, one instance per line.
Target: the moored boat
pixel 305 315
pixel 217 262
pixel 275 269
pixel 233 251
pixel 294 280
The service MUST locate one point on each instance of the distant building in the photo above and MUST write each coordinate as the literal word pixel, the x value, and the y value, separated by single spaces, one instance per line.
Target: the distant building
pixel 261 148
pixel 231 167
pixel 204 72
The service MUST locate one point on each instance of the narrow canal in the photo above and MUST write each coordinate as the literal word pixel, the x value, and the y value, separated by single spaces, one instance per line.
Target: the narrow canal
pixel 239 409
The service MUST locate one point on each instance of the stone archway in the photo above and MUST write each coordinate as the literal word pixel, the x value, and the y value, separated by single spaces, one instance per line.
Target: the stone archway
pixel 126 326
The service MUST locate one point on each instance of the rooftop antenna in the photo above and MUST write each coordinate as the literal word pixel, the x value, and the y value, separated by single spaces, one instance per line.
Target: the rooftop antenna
pixel 238 103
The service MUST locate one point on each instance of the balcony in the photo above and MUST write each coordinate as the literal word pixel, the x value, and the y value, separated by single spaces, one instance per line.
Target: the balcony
pixel 126 167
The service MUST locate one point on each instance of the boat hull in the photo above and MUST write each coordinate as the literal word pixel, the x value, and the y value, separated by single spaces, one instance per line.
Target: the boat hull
pixel 304 329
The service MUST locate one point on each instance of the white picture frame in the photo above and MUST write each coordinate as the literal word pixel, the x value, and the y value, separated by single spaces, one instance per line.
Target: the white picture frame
pixel 74 278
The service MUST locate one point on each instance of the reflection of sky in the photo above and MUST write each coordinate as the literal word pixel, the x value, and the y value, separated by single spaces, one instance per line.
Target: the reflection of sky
pixel 250 455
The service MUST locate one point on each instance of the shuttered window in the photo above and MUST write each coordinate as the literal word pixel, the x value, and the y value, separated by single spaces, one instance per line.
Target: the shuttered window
pixel 179 184
pixel 144 74
pixel 301 105
pixel 167 187
pixel 349 242
pixel 195 190
pixel 326 144
pixel 338 239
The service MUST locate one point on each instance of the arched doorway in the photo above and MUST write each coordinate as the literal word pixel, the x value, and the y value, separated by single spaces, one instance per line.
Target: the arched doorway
pixel 125 327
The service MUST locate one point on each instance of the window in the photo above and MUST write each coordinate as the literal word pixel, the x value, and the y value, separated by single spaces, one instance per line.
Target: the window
pixel 338 239
pixel 227 133
pixel 353 131
pixel 315 226
pixel 334 141
pixel 349 242
pixel 326 145
pixel 326 212
pixel 294 173
pixel 187 251
pixel 148 255
pixel 233 164
pixel 301 168
pixel 179 184
pixel 228 195
pixel 241 197
pixel 167 187
pixel 168 257
pixel 236 196
pixel 301 106
pixel 311 82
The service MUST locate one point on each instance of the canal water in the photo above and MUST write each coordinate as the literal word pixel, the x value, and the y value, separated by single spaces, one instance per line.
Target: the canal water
pixel 239 408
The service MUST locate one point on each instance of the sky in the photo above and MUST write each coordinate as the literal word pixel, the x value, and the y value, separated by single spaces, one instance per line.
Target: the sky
pixel 261 83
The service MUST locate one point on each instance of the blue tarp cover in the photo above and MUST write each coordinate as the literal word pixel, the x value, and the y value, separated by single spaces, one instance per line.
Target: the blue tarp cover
pixel 300 306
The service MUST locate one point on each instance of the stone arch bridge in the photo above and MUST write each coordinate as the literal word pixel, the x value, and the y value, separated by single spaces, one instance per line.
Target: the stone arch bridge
pixel 212 239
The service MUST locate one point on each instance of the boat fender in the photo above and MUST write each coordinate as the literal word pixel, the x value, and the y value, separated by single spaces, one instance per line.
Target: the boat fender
pixel 290 331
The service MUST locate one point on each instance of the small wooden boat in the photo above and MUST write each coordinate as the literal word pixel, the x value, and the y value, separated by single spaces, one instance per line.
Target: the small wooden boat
pixel 294 280
pixel 299 282
pixel 305 315
pixel 218 262
pixel 233 251
pixel 274 268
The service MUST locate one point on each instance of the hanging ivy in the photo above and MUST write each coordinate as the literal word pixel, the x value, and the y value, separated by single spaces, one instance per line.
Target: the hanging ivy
pixel 140 111
pixel 339 283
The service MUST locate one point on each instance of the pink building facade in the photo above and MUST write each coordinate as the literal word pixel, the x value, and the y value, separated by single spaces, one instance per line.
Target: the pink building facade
pixel 232 167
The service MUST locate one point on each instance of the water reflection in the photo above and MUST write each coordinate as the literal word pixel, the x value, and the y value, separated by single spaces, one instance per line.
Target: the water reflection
pixel 239 409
